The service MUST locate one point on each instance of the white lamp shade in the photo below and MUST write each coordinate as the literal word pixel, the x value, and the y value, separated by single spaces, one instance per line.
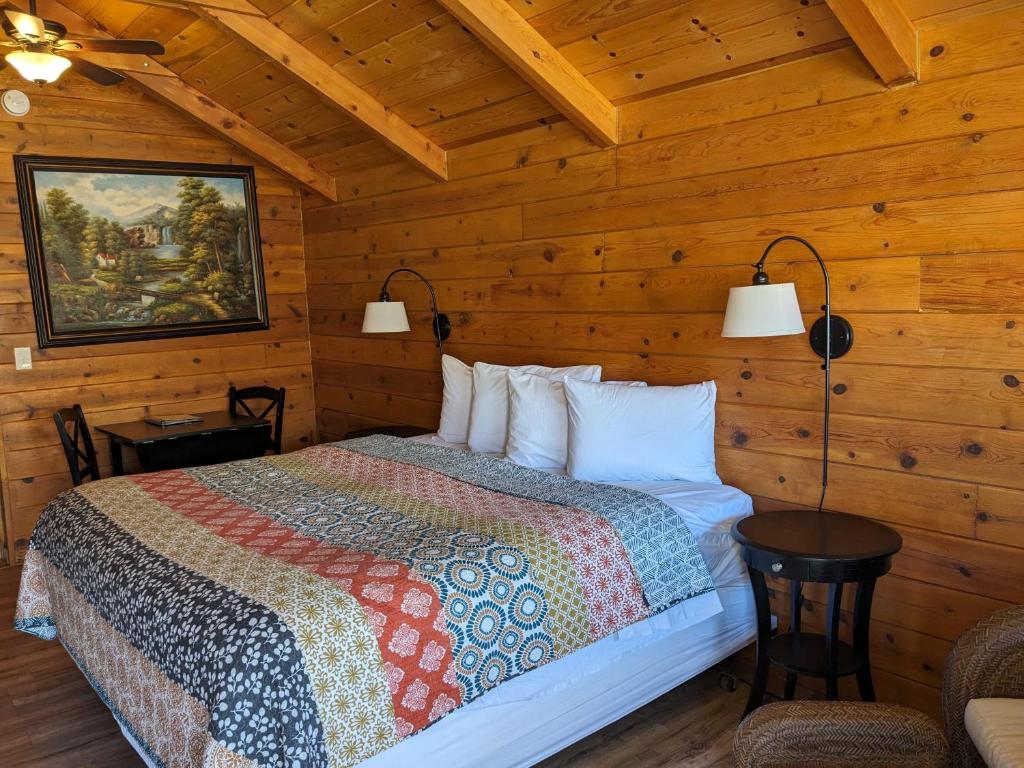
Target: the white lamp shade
pixel 763 310
pixel 385 317
pixel 38 66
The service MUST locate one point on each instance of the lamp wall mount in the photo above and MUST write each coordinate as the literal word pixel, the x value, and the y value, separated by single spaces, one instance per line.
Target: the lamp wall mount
pixel 831 336
pixel 842 337
pixel 441 325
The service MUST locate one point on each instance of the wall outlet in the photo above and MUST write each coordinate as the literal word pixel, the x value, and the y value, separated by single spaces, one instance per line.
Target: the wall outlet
pixel 22 358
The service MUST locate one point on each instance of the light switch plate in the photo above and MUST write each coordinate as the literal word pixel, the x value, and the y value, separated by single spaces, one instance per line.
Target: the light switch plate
pixel 22 358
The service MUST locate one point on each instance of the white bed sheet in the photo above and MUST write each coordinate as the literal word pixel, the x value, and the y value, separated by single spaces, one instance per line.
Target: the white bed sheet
pixel 533 716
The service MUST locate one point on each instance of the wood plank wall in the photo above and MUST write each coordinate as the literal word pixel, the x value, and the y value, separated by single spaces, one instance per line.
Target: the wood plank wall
pixel 116 382
pixel 546 249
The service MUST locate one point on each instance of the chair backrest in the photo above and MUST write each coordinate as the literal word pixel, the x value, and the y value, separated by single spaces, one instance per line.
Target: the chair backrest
pixel 238 399
pixel 77 444
pixel 986 662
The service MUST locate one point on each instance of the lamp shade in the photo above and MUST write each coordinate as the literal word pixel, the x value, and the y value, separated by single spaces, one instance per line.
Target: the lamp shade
pixel 38 66
pixel 763 310
pixel 385 317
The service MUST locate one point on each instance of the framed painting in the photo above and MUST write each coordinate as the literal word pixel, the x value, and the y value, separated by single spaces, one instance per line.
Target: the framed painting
pixel 129 251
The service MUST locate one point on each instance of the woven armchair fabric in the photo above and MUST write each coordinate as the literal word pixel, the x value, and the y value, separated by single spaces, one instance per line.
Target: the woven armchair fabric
pixel 986 662
pixel 838 734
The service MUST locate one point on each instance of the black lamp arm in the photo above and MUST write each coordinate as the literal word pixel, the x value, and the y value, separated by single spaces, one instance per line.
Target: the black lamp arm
pixel 761 278
pixel 442 326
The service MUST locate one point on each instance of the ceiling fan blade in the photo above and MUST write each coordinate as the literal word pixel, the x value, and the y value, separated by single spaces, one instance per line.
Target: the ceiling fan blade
pixel 27 24
pixel 146 47
pixel 94 72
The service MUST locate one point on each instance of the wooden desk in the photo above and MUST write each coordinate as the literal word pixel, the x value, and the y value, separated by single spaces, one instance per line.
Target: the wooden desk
pixel 219 437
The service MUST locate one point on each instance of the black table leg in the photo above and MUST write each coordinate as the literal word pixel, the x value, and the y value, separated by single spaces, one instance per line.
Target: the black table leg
pixel 764 632
pixel 116 459
pixel 795 603
pixel 835 599
pixel 861 637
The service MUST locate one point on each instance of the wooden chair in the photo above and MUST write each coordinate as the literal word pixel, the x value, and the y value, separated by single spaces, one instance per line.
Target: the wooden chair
pixel 77 444
pixel 275 400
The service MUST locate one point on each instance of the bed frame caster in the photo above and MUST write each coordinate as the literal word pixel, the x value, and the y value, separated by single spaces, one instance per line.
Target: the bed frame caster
pixel 727 682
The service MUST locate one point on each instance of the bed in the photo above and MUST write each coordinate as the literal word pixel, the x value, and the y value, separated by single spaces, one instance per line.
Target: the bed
pixel 196 648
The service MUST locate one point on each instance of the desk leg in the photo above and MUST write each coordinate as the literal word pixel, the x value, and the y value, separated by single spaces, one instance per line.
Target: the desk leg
pixel 764 632
pixel 861 637
pixel 835 599
pixel 795 602
pixel 116 459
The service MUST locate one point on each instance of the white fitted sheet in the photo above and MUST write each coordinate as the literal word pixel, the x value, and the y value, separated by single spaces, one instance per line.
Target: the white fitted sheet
pixel 533 716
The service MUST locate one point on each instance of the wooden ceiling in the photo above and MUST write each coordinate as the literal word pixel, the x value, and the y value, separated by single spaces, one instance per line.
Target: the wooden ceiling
pixel 342 85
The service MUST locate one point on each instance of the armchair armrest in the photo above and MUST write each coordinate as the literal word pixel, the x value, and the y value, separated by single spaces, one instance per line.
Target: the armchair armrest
pixel 987 662
pixel 843 734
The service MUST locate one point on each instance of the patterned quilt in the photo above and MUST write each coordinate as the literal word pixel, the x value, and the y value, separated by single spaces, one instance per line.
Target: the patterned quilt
pixel 313 609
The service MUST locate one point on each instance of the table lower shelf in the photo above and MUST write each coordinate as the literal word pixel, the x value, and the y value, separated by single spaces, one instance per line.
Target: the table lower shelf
pixel 805 654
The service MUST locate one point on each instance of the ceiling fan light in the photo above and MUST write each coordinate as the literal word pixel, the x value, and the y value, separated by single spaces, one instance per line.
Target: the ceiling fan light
pixel 38 66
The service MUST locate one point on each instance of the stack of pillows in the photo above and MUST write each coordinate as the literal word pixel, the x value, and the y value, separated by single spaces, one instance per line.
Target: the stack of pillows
pixel 568 420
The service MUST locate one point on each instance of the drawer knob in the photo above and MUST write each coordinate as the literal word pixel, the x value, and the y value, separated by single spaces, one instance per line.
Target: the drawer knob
pixel 776 567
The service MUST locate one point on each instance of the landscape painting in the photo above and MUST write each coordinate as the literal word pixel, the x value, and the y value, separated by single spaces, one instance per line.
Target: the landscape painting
pixel 121 251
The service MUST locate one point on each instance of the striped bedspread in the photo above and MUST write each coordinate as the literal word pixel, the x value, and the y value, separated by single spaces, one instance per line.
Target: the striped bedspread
pixel 313 609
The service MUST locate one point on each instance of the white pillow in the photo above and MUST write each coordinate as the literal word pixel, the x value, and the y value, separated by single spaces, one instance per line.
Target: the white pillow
pixel 488 421
pixel 618 434
pixel 457 400
pixel 538 421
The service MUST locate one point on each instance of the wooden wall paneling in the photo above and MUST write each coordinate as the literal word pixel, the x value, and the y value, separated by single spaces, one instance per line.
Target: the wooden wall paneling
pixel 926 12
pixel 816 80
pixel 698 51
pixel 948 50
pixel 931 168
pixel 1000 517
pixel 123 381
pixel 514 114
pixel 930 111
pixel 913 195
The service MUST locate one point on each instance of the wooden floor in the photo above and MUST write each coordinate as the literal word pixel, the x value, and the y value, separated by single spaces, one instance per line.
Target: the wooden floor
pixel 50 717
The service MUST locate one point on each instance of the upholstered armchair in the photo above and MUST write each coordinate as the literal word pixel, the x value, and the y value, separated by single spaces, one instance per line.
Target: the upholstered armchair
pixel 986 662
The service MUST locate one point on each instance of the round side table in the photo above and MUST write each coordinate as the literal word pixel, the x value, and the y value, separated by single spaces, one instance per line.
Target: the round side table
pixel 810 546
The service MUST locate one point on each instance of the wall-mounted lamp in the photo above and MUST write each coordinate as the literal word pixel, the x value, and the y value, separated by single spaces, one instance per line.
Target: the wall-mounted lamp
pixel 387 316
pixel 764 309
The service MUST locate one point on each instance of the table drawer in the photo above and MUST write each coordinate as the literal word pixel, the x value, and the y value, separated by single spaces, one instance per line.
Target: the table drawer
pixel 777 565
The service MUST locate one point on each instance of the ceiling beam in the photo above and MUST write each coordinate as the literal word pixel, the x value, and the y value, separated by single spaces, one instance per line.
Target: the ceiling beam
pixel 157 79
pixel 499 27
pixel 164 83
pixel 229 125
pixel 268 39
pixel 885 35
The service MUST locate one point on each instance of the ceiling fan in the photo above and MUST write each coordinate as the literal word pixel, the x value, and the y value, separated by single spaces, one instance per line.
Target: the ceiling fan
pixel 42 51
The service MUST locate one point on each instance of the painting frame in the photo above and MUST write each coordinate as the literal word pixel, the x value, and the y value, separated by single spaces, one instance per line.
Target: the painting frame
pixel 51 334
